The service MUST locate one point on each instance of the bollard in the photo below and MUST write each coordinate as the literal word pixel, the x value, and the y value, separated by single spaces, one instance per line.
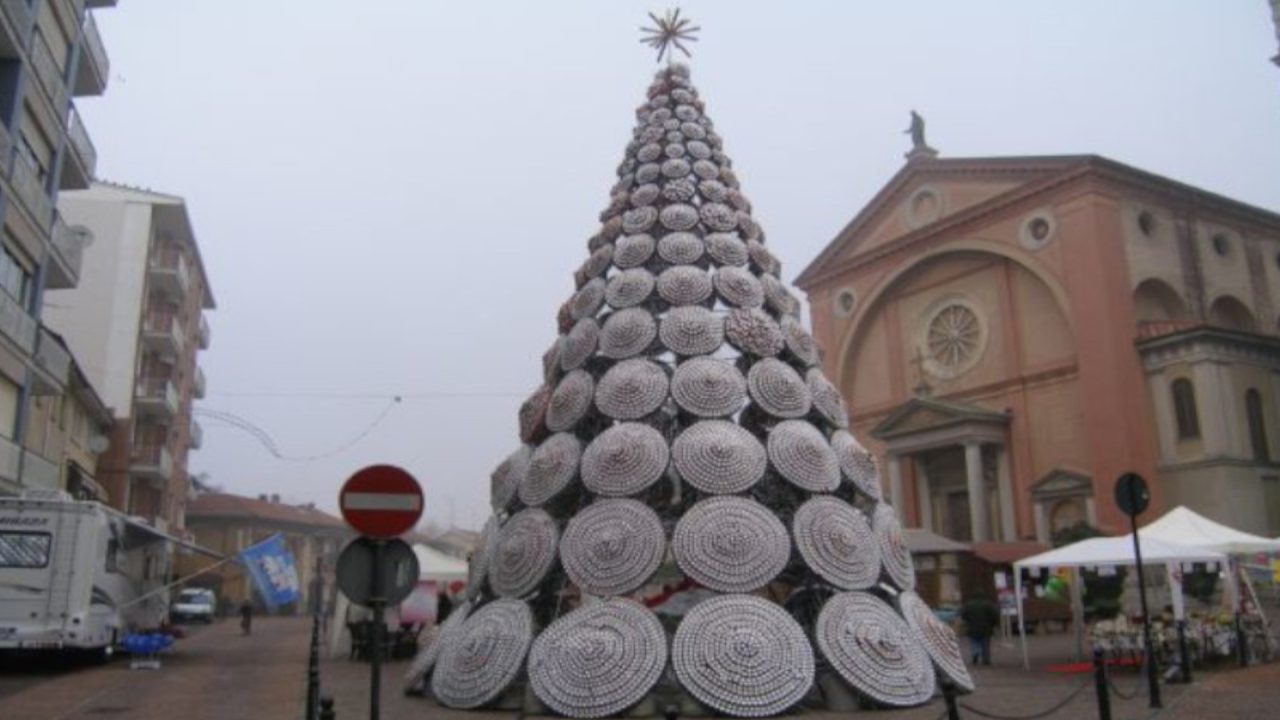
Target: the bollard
pixel 313 670
pixel 1100 685
pixel 1182 651
pixel 949 696
pixel 326 709
pixel 1241 644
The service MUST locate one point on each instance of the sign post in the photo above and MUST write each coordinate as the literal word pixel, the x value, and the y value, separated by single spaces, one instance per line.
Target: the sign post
pixel 1133 496
pixel 381 502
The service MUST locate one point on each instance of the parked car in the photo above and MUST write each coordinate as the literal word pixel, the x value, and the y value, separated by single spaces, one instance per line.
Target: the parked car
pixel 194 604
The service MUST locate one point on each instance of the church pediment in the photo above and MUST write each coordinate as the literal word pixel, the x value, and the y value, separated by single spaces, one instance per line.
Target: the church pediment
pixel 926 192
pixel 1062 483
pixel 919 415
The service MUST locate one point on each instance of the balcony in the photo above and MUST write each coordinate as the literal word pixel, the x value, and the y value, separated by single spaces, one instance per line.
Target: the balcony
pixel 156 396
pixel 170 275
pixel 53 358
pixel 6 150
pixel 40 473
pixel 196 438
pixel 203 335
pixel 152 462
pixel 50 76
pixel 198 385
pixel 16 324
pixel 80 160
pixel 94 69
pixel 20 18
pixel 9 460
pixel 67 255
pixel 162 333
pixel 31 190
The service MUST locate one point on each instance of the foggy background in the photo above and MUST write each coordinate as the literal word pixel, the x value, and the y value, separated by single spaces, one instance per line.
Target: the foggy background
pixel 391 197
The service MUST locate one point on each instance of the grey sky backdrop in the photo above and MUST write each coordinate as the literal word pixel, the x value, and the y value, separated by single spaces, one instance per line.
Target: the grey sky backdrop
pixel 390 197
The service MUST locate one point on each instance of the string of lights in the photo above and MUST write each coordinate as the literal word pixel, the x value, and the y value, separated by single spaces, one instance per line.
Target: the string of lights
pixel 269 442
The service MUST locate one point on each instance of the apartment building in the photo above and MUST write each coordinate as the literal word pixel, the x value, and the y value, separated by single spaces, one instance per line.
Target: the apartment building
pixel 50 54
pixel 136 322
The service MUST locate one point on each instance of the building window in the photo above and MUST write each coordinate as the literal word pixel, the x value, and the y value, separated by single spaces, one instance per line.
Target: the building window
pixel 1257 426
pixel 1147 223
pixel 1184 408
pixel 1221 244
pixel 15 278
pixel 954 337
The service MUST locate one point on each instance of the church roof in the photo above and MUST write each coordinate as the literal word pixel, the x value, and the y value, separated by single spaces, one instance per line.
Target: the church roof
pixel 1033 173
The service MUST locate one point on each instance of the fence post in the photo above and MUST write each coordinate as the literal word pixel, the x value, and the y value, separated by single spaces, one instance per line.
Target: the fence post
pixel 1100 684
pixel 1182 651
pixel 949 696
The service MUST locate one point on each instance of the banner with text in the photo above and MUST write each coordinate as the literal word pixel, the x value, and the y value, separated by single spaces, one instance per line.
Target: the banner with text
pixel 273 570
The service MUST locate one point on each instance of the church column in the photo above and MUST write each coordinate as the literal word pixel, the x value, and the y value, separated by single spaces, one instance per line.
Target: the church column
pixel 1042 522
pixel 1004 481
pixel 924 498
pixel 895 486
pixel 977 492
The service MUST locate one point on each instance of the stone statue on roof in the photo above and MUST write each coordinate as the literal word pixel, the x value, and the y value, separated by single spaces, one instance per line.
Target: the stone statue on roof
pixel 919 148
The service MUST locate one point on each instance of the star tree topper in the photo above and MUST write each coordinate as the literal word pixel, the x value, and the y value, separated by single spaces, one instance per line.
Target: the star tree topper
pixel 669 31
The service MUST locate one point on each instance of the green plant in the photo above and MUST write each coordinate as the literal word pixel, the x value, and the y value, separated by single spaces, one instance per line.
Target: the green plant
pixel 1101 592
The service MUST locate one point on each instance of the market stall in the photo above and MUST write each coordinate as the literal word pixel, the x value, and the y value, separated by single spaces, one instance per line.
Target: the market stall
pixel 1110 552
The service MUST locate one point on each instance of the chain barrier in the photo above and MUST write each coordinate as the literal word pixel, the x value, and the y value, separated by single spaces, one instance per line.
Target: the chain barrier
pixel 1045 713
pixel 1137 687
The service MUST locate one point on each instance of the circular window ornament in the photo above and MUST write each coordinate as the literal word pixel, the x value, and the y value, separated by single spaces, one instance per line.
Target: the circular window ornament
pixel 924 206
pixel 952 338
pixel 845 302
pixel 1037 231
pixel 1221 244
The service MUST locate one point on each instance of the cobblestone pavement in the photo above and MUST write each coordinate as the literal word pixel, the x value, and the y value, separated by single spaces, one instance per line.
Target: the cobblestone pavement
pixel 213 674
pixel 218 674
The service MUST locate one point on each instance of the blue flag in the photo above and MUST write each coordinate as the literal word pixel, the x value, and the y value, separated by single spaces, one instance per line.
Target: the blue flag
pixel 273 570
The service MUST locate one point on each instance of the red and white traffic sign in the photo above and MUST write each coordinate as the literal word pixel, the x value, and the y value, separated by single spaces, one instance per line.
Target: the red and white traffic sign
pixel 381 501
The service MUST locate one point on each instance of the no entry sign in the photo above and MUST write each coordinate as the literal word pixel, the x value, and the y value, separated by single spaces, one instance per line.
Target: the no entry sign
pixel 381 501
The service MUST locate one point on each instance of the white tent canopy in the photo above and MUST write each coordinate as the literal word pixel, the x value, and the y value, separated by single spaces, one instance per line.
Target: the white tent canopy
pixel 1110 552
pixel 435 565
pixel 1187 527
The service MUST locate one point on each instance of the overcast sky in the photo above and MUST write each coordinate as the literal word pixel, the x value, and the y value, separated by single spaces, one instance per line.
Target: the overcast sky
pixel 391 197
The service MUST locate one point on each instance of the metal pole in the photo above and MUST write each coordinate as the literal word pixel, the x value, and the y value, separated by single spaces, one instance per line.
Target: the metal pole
pixel 377 603
pixel 1153 672
pixel 1100 685
pixel 949 696
pixel 313 670
pixel 1182 651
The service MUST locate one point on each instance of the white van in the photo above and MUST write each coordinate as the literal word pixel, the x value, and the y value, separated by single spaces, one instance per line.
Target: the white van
pixel 78 575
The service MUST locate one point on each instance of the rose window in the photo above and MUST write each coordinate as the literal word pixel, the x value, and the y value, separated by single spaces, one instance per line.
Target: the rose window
pixel 954 338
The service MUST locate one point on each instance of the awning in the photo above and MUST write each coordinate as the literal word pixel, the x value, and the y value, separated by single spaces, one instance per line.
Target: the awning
pixel 138 534
pixel 1187 527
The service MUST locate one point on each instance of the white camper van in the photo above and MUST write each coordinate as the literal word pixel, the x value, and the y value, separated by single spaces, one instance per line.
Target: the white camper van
pixel 76 575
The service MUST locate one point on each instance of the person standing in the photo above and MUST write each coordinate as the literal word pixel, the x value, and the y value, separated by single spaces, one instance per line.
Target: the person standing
pixel 981 616
pixel 246 617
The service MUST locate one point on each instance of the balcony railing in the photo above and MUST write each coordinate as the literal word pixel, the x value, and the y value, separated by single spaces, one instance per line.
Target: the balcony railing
pixel 198 386
pixel 67 255
pixel 54 358
pixel 162 331
pixel 170 274
pixel 50 75
pixel 31 190
pixel 197 436
pixel 95 68
pixel 16 323
pixel 157 395
pixel 40 473
pixel 203 335
pixel 18 12
pixel 151 461
pixel 9 459
pixel 81 146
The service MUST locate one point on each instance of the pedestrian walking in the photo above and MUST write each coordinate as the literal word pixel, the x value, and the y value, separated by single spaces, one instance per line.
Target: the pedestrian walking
pixel 981 616
pixel 246 617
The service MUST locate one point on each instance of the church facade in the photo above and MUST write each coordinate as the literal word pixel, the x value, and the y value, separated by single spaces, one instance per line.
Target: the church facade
pixel 1013 334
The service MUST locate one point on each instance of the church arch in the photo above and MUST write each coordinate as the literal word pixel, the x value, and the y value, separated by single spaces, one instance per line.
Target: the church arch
pixel 871 304
pixel 1227 311
pixel 1155 301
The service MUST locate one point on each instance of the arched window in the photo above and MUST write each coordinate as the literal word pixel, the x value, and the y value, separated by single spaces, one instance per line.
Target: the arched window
pixel 1184 408
pixel 1257 427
